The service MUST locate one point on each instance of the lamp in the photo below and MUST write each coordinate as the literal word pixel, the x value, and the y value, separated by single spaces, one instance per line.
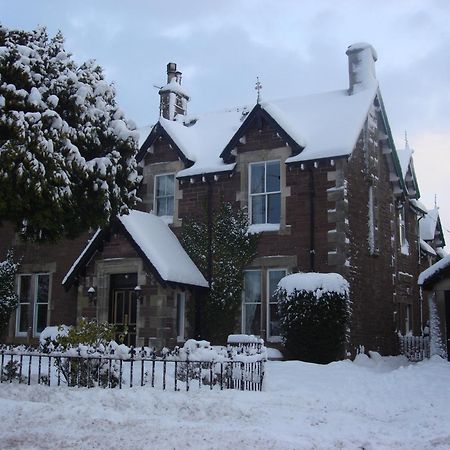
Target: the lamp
pixel 92 295
pixel 138 292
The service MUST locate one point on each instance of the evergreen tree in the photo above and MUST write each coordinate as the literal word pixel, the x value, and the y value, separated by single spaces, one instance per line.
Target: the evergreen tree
pixel 8 296
pixel 67 153
pixel 232 249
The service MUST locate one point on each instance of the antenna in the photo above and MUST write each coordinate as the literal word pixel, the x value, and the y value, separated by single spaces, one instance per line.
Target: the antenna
pixel 258 87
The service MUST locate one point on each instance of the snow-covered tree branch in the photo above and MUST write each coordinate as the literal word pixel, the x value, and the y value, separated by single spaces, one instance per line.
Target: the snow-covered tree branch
pixel 66 149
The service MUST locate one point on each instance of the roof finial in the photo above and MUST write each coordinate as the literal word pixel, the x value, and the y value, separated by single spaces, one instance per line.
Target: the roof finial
pixel 435 201
pixel 258 87
pixel 406 140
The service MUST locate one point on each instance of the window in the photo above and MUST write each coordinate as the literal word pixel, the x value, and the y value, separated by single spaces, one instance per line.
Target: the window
pixel 402 230
pixel 408 319
pixel 273 322
pixel 181 300
pixel 34 290
pixel 265 195
pixel 251 308
pixel 164 194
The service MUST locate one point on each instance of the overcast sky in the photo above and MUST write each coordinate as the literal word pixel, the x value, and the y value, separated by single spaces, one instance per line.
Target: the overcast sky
pixel 295 47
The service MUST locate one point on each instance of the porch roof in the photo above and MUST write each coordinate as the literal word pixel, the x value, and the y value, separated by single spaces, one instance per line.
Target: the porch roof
pixel 155 243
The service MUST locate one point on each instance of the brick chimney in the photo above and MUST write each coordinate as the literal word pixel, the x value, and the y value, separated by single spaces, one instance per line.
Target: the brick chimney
pixel 361 67
pixel 173 99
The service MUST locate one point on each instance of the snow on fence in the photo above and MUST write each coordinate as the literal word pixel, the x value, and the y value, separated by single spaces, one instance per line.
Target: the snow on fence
pixel 175 370
pixel 415 348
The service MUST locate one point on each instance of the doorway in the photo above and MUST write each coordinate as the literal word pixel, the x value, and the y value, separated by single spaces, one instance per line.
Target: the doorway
pixel 123 307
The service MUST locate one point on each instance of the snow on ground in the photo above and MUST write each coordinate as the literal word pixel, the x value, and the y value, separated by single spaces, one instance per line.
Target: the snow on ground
pixel 378 403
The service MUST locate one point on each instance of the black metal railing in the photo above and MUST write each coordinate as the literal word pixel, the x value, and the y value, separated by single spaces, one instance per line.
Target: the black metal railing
pixel 415 348
pixel 136 369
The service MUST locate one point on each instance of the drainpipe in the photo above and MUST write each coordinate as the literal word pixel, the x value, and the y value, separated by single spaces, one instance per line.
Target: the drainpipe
pixel 209 224
pixel 199 329
pixel 312 194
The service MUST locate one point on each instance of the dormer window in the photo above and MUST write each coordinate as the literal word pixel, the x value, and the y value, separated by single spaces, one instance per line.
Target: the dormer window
pixel 264 192
pixel 164 194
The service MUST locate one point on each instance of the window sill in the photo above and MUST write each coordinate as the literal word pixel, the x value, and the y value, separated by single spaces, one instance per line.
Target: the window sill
pixel 260 227
pixel 168 220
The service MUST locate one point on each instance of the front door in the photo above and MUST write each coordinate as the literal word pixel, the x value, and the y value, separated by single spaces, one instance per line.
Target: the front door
pixel 124 316
pixel 123 307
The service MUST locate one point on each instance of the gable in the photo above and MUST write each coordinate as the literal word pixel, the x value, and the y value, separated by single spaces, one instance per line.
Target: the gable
pixel 159 134
pixel 153 241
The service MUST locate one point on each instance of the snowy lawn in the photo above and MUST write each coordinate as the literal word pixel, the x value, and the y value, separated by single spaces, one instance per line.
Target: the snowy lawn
pixel 371 403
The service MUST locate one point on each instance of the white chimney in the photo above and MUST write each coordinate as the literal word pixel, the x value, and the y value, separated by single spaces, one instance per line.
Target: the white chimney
pixel 361 67
pixel 173 99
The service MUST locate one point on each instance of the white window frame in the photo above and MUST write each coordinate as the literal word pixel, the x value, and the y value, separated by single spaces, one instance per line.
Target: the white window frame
pixel 180 317
pixel 33 304
pixel 271 338
pixel 260 194
pixel 155 196
pixel 244 303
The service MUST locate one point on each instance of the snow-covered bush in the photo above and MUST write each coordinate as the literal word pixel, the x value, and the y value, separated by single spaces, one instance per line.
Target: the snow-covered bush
pixel 8 295
pixel 63 140
pixel 314 313
pixel 90 340
pixel 231 250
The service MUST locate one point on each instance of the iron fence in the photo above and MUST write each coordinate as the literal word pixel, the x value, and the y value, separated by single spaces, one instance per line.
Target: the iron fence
pixel 137 369
pixel 415 348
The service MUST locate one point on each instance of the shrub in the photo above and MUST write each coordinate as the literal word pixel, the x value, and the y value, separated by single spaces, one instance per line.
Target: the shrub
pixel 8 296
pixel 89 340
pixel 314 313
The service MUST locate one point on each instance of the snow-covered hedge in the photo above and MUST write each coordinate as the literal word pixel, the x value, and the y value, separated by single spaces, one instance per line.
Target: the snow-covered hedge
pixel 8 296
pixel 314 312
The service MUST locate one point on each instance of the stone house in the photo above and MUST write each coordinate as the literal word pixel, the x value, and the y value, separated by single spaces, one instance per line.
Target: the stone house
pixel 435 284
pixel 322 182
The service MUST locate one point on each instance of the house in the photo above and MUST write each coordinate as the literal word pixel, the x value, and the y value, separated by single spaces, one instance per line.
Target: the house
pixel 322 182
pixel 435 283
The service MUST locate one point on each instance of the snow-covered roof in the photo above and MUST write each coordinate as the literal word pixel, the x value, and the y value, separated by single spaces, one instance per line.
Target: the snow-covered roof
pixel 304 119
pixel 428 224
pixel 79 259
pixel 418 205
pixel 427 248
pixel 327 125
pixel 433 270
pixel 203 141
pixel 158 244
pixel 143 134
pixel 404 157
pixel 162 248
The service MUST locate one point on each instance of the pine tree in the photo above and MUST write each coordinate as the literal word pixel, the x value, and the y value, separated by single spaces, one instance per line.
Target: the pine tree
pixel 8 296
pixel 232 249
pixel 67 153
